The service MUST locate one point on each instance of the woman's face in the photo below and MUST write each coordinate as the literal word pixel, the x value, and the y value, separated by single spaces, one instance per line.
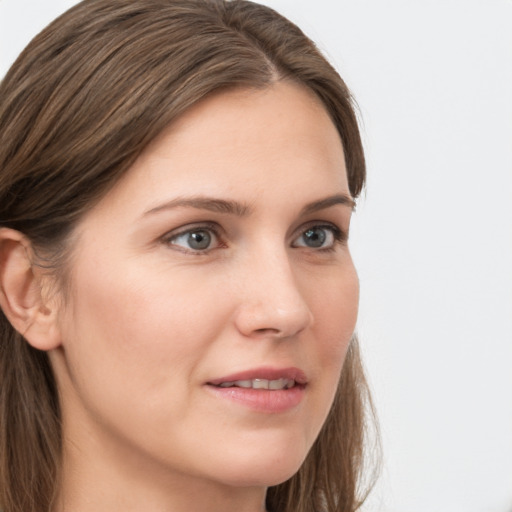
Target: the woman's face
pixel 217 267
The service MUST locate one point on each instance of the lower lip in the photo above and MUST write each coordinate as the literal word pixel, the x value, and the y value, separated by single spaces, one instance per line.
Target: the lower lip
pixel 262 400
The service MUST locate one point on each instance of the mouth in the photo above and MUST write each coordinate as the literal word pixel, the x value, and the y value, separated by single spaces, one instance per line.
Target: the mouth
pixel 259 384
pixel 263 378
pixel 263 389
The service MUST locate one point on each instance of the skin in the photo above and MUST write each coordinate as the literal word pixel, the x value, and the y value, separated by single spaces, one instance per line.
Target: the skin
pixel 148 320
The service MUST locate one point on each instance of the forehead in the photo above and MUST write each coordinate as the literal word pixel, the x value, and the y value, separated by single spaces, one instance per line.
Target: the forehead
pixel 252 124
pixel 245 143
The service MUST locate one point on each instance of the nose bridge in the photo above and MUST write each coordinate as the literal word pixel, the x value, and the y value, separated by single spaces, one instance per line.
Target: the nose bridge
pixel 272 302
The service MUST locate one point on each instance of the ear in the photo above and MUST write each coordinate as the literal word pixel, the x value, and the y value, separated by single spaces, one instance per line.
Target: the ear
pixel 21 297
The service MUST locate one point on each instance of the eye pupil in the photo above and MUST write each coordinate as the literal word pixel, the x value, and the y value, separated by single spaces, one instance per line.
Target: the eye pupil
pixel 199 240
pixel 314 237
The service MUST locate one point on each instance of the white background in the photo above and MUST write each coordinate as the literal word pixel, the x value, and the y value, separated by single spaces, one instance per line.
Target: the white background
pixel 432 237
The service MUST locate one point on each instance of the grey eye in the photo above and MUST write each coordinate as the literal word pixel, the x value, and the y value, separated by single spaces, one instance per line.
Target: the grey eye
pixel 199 240
pixel 316 237
pixel 195 240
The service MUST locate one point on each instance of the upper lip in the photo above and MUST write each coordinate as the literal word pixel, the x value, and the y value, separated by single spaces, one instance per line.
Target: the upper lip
pixel 268 373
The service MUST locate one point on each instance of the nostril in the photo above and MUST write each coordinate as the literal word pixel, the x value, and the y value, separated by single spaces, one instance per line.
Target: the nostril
pixel 266 331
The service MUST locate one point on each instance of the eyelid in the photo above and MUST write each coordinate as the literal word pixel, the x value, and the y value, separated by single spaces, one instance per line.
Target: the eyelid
pixel 212 227
pixel 340 235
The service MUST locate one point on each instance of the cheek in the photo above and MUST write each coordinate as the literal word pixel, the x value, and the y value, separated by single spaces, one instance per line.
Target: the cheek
pixel 335 308
pixel 135 334
pixel 134 346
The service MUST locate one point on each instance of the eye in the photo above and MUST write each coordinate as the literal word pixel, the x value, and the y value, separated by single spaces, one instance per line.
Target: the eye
pixel 197 240
pixel 319 237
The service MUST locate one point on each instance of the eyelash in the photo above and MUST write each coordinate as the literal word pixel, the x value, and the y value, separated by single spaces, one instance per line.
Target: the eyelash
pixel 211 228
pixel 339 237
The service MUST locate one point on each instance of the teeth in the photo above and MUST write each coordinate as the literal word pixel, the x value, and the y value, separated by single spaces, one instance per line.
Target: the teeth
pixel 260 384
pixel 281 384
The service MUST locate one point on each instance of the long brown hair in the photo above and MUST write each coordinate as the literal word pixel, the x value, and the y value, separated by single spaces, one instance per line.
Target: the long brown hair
pixel 79 105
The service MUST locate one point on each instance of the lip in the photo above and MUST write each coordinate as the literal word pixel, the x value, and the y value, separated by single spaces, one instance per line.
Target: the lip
pixel 264 373
pixel 262 400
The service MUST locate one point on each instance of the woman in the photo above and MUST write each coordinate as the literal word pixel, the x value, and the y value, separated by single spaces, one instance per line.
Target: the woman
pixel 177 327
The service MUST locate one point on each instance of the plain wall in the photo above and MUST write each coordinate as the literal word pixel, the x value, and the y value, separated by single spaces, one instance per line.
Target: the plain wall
pixel 432 237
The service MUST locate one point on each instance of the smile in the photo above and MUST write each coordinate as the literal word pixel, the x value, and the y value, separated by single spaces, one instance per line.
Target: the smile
pixel 260 384
pixel 264 390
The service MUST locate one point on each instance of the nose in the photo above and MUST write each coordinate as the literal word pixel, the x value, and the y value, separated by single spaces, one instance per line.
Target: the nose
pixel 271 303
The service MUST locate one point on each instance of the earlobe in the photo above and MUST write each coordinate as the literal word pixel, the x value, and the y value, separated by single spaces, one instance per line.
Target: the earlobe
pixel 20 293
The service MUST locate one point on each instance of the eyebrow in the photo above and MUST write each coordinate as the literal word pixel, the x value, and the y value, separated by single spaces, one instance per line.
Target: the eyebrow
pixel 205 203
pixel 241 209
pixel 323 204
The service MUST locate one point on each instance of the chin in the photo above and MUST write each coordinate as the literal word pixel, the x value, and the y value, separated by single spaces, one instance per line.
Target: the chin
pixel 262 467
pixel 267 477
